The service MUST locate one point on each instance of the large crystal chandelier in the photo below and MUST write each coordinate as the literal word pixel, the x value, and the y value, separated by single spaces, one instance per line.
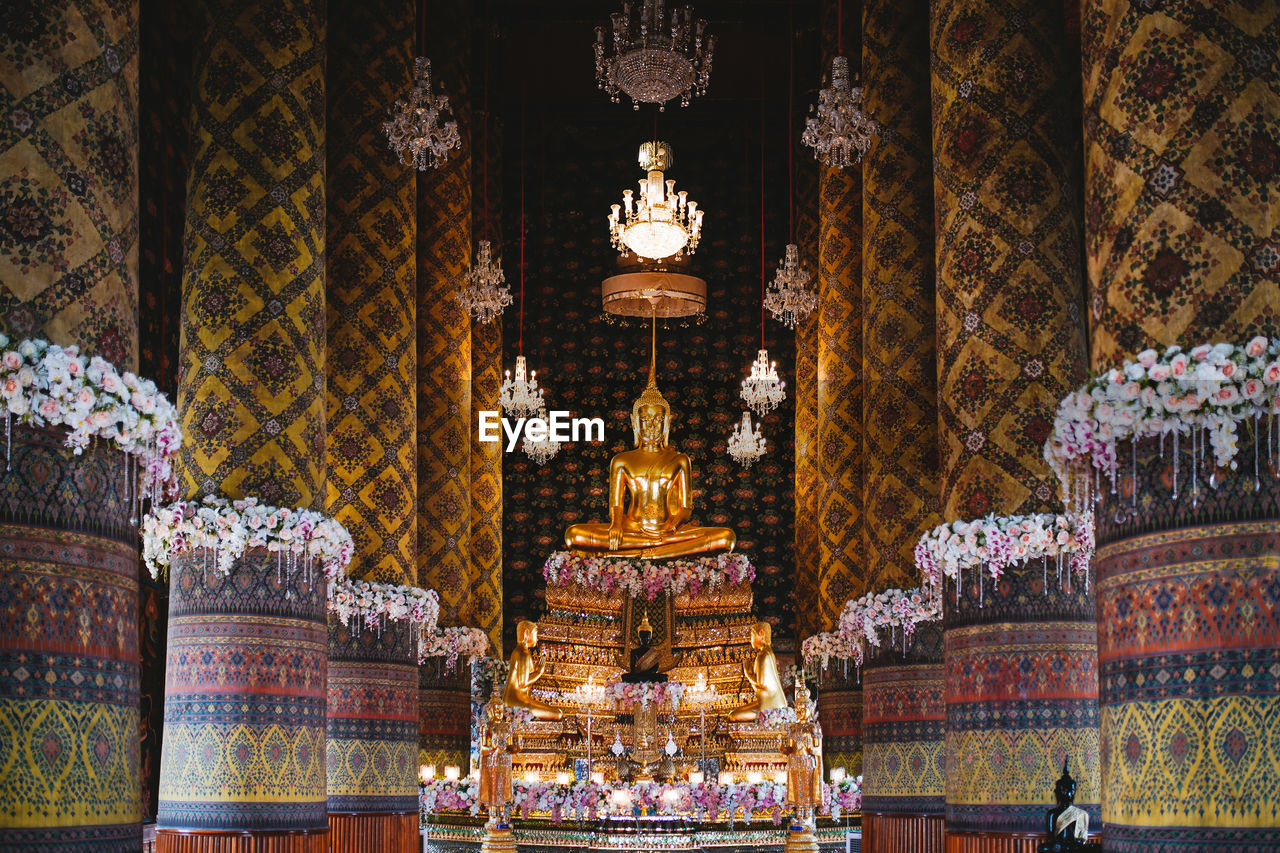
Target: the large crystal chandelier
pixel 484 292
pixel 839 132
pixel 661 221
pixel 521 397
pixel 746 445
pixel 763 390
pixel 541 450
pixel 650 62
pixel 415 131
pixel 790 299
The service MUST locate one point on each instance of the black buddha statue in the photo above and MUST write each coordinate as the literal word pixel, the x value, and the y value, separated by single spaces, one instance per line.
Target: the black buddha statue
pixel 1066 823
pixel 644 657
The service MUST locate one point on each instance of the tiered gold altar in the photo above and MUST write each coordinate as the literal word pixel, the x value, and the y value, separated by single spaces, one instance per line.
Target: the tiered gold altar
pixel 703 641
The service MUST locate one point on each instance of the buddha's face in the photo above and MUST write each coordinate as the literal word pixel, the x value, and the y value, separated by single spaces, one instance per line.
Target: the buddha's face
pixel 529 634
pixel 653 422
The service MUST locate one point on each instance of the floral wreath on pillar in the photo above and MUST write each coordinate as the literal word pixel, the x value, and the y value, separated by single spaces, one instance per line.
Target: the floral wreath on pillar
pixel 1211 389
pixel 453 643
pixel 647 578
pixel 43 384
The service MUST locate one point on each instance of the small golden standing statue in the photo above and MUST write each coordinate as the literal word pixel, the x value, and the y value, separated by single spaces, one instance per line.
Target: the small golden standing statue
pixel 762 676
pixel 497 743
pixel 649 494
pixel 803 748
pixel 521 675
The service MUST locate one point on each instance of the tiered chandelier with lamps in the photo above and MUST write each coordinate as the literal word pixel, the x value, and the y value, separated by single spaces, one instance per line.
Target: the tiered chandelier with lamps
pixel 543 449
pixel 650 61
pixel 660 222
pixel 746 444
pixel 521 397
pixel 839 132
pixel 417 132
pixel 763 390
pixel 790 299
pixel 484 292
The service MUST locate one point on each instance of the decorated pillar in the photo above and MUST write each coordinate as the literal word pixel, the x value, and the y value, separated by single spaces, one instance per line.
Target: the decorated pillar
pixel 252 397
pixel 1181 160
pixel 446 425
pixel 68 557
pixel 371 445
pixel 840 712
pixel 1010 346
pixel 904 763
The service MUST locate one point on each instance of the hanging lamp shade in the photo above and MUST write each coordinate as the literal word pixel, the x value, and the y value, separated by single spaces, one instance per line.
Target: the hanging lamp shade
pixel 645 288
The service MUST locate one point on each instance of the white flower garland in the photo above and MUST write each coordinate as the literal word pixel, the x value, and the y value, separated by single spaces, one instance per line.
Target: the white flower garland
pixel 994 543
pixel 647 578
pixel 1212 388
pixel 452 643
pixel 369 603
pixel 225 530
pixel 43 384
pixel 626 695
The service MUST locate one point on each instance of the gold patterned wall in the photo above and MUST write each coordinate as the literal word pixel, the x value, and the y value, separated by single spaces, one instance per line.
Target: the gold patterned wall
pixel 371 299
pixel 1182 162
pixel 899 384
pixel 253 305
pixel 69 175
pixel 445 421
pixel 1010 325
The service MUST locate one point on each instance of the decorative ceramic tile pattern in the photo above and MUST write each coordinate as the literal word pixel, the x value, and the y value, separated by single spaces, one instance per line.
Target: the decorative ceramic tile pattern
pixel 69 665
pixel 899 364
pixel 1187 647
pixel 244 744
pixel 69 175
pixel 1182 173
pixel 252 362
pixel 371 297
pixel 445 420
pixel 903 712
pixel 1010 324
pixel 372 730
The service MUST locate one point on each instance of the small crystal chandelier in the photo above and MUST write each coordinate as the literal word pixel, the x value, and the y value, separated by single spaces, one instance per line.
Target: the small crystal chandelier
pixel 543 449
pixel 840 132
pixel 484 293
pixel 651 63
pixel 746 445
pixel 415 131
pixel 661 222
pixel 763 390
pixel 790 299
pixel 521 397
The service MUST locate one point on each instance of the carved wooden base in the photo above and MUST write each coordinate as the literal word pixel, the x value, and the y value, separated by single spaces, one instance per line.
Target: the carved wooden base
pixel 891 833
pixel 385 832
pixel 192 841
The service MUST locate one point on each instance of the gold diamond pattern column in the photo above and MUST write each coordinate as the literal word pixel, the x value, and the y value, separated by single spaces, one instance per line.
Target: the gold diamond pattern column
pixel 371 297
pixel 899 385
pixel 1011 345
pixel 1182 160
pixel 808 484
pixel 69 176
pixel 253 312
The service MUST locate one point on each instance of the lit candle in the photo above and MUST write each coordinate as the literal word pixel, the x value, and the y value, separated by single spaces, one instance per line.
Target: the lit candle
pixel 726 778
pixel 451 772
pixel 755 777
pixel 780 777
pixel 598 777
pixel 427 772
pixel 696 777
pixel 837 775
pixel 562 778
pixel 531 776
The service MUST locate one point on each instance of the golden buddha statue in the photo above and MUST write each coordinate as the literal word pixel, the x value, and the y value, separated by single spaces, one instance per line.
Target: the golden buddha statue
pixel 497 743
pixel 653 522
pixel 803 748
pixel 521 675
pixel 762 676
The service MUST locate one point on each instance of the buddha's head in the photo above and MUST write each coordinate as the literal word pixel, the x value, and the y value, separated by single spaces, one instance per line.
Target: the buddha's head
pixel 803 709
pixel 645 632
pixel 762 636
pixel 651 418
pixel 497 710
pixel 527 634
pixel 1065 790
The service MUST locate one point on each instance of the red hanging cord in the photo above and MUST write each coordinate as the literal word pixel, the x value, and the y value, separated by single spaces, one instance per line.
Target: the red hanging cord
pixel 484 165
pixel 522 225
pixel 791 85
pixel 762 273
pixel 840 27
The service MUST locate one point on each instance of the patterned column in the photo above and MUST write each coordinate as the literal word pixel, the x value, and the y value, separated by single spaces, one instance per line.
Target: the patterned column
pixel 69 176
pixel 243 758
pixel 899 385
pixel 69 654
pixel 444 715
pixel 1021 681
pixel 1182 159
pixel 904 763
pixel 840 712
pixel 370 293
pixel 243 752
pixel 1182 155
pixel 69 697
pixel 372 735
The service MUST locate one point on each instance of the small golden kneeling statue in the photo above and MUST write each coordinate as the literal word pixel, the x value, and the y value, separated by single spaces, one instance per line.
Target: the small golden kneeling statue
pixel 521 675
pixel 762 676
